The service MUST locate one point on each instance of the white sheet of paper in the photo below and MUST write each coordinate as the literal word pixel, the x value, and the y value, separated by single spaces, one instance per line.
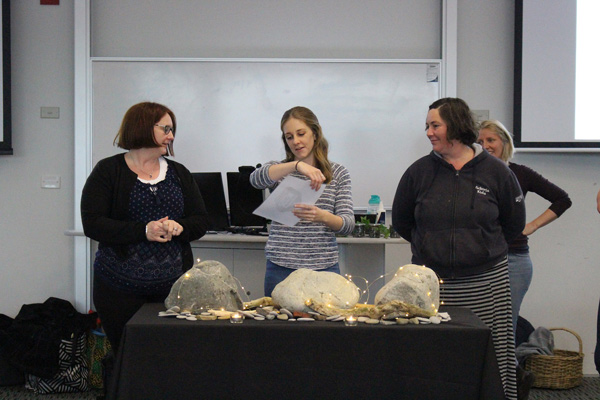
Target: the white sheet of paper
pixel 279 205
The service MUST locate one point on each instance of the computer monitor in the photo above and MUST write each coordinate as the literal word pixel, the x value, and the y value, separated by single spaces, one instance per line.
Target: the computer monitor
pixel 243 200
pixel 211 189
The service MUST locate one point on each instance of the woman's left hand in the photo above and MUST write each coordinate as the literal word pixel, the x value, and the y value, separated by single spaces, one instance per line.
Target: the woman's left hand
pixel 171 228
pixel 308 212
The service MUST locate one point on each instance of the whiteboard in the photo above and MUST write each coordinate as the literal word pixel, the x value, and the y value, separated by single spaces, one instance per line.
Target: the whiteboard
pixel 228 111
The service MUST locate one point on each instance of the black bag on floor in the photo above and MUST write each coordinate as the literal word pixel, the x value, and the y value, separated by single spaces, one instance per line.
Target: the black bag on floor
pixel 73 371
pixel 9 374
pixel 44 340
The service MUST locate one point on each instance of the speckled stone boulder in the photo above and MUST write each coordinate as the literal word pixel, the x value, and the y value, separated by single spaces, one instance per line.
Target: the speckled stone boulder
pixel 320 286
pixel 412 284
pixel 208 285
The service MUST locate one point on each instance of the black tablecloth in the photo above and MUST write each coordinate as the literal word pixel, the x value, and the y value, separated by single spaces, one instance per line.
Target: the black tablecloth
pixel 168 358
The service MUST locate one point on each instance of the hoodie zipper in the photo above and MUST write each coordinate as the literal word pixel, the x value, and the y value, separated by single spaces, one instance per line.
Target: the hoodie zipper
pixel 453 231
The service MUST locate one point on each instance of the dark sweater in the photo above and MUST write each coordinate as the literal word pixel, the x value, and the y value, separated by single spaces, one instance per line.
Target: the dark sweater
pixel 458 222
pixel 531 181
pixel 105 206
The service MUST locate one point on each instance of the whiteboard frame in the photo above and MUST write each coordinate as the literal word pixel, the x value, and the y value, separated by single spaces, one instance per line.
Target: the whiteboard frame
pixel 82 256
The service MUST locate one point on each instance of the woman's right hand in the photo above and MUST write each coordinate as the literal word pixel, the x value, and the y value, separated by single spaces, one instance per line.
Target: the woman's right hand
pixel 314 174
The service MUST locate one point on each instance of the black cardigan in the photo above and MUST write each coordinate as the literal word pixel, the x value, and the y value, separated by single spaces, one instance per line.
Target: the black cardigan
pixel 105 202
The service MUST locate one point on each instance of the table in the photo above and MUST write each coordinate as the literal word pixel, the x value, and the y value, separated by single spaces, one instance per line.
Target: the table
pixel 167 358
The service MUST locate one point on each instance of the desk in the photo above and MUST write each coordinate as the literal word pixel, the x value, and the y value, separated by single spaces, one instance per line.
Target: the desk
pixel 166 358
pixel 244 256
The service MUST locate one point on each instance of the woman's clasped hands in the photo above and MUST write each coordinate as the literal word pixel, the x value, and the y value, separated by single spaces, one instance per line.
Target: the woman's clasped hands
pixel 163 230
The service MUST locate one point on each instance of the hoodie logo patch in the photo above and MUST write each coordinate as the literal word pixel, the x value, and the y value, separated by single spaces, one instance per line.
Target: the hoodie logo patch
pixel 519 199
pixel 481 190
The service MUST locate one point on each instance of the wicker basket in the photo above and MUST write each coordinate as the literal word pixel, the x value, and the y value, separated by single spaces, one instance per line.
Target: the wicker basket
pixel 562 370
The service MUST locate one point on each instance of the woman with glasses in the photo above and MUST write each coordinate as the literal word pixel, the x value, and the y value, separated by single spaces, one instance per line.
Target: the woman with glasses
pixel 143 209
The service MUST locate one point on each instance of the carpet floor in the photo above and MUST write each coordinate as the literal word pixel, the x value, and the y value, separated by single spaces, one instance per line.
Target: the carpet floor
pixel 588 390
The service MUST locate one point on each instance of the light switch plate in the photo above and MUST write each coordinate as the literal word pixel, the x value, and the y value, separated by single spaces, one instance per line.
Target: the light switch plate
pixel 481 115
pixel 50 112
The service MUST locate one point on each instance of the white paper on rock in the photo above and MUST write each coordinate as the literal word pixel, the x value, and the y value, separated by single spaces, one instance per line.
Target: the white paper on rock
pixel 412 284
pixel 321 286
pixel 207 285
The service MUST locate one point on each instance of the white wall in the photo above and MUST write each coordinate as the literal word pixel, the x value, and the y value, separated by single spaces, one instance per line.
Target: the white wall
pixel 37 259
pixel 566 283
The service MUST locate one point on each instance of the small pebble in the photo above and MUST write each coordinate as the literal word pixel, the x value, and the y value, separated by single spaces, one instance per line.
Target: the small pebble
pixel 283 317
pixel 262 311
pixel 292 319
pixel 386 322
pixel 181 316
pixel 362 319
pixel 414 320
pixel 271 317
pixel 332 317
pixel 306 319
pixel 340 318
pixel 208 317
pixel 192 318
pixel 435 320
pixel 287 312
pixel 259 318
pixel 402 321
pixel 248 314
pixel 372 321
pixel 424 321
pixel 167 314
pixel 174 309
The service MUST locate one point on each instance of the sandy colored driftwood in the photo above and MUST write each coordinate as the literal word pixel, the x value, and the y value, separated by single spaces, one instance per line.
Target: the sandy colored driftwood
pixel 261 302
pixel 394 308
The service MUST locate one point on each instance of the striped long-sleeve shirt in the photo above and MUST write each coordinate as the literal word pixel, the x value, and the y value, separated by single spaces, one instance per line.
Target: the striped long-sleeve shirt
pixel 309 244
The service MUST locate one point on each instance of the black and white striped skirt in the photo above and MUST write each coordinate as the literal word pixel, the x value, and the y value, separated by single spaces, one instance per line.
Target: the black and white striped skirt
pixel 488 296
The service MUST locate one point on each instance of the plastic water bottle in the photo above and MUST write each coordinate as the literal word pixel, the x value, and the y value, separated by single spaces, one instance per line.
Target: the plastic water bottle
pixel 373 205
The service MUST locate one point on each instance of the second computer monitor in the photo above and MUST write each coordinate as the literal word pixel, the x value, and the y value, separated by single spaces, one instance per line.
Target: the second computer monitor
pixel 243 200
pixel 211 189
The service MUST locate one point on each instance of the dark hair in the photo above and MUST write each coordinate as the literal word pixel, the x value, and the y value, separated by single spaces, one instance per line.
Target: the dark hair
pixel 137 127
pixel 458 117
pixel 321 147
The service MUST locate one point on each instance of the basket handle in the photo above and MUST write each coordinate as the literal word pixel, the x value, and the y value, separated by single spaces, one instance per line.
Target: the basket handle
pixel 574 334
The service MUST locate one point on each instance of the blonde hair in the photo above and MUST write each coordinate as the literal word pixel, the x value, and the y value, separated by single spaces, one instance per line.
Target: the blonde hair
pixel 321 147
pixel 508 148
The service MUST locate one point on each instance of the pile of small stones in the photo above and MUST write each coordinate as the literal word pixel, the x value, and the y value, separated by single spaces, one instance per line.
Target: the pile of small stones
pixel 271 313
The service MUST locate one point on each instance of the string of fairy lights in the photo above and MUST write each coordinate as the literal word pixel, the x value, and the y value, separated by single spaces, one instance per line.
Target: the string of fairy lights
pixel 364 293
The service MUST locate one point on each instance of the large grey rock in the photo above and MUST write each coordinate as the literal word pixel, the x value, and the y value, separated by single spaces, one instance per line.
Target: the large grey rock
pixel 323 287
pixel 208 285
pixel 412 284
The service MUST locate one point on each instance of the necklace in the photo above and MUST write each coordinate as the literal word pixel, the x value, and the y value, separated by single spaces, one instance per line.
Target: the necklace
pixel 135 164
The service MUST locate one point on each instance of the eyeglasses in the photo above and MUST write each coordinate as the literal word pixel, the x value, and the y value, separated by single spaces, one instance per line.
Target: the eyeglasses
pixel 166 128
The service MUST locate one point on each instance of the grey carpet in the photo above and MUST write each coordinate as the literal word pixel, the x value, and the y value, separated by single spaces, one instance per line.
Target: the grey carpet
pixel 588 390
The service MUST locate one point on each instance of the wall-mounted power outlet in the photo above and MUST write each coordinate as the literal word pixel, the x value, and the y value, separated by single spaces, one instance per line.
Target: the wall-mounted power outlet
pixel 51 182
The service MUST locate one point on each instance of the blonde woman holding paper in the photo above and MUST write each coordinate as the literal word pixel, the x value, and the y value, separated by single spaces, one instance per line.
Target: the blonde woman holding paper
pixel 310 243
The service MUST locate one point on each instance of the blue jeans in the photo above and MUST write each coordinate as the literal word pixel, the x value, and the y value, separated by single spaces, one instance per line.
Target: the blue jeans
pixel 520 272
pixel 276 274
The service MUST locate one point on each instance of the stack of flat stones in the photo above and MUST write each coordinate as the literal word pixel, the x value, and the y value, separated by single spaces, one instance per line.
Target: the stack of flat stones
pixel 271 313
